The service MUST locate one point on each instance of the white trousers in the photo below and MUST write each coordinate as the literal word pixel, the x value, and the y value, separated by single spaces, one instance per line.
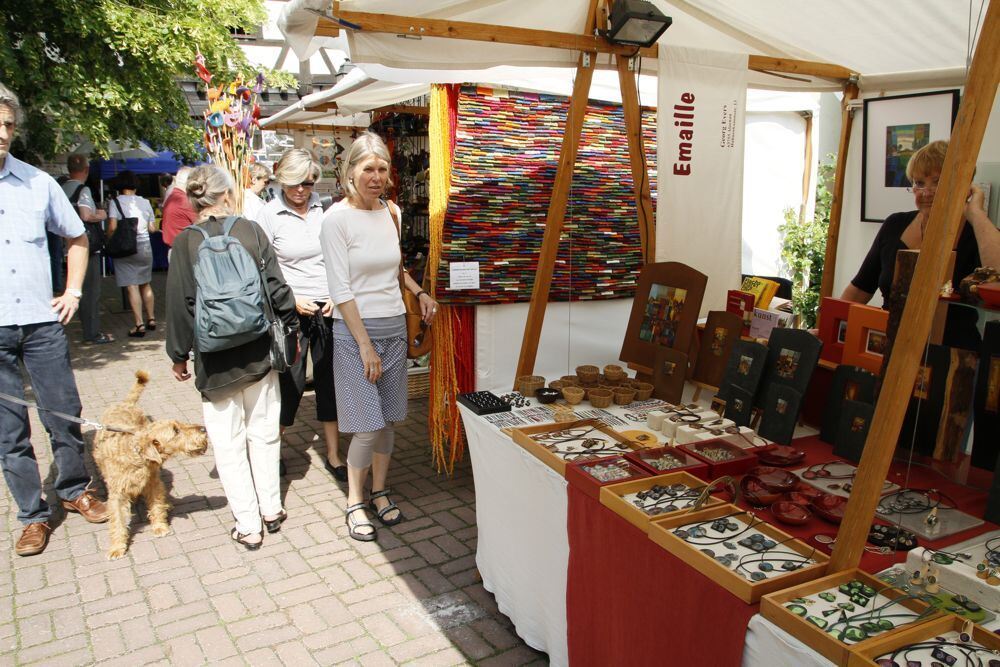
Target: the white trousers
pixel 245 437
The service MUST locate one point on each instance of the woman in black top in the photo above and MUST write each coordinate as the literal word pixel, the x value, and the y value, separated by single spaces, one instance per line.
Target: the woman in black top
pixel 978 244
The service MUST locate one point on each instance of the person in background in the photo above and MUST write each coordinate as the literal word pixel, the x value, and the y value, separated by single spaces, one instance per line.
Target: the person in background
pixel 166 183
pixel 260 178
pixel 135 272
pixel 292 222
pixel 238 387
pixel 177 212
pixel 80 196
pixel 360 239
pixel 32 334
pixel 978 244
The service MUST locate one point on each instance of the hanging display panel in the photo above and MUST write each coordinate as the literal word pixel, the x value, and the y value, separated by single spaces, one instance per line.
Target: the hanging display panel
pixel 506 154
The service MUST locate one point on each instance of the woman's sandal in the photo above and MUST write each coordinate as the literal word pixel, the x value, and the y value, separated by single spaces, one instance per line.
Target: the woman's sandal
pixel 274 525
pixel 380 513
pixel 241 538
pixel 151 324
pixel 352 525
pixel 138 331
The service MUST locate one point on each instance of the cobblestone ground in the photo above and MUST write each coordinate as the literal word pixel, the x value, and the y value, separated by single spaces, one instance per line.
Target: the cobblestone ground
pixel 310 596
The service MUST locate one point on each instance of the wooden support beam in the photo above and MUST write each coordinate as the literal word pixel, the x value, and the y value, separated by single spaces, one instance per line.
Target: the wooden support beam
pixel 556 215
pixel 946 217
pixel 417 27
pixel 837 205
pixel 402 108
pixel 310 127
pixel 807 166
pixel 637 159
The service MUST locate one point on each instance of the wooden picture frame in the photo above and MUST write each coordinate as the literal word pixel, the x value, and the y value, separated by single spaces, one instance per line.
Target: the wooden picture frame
pixel 722 331
pixel 744 369
pixel 854 422
pixel 782 404
pixel 833 327
pixel 866 324
pixel 670 369
pixel 850 383
pixel 665 311
pixel 895 127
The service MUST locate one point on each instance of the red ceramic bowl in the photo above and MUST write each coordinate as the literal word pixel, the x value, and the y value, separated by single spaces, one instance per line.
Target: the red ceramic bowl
pixel 990 294
pixel 775 479
pixel 781 455
pixel 756 492
pixel 808 490
pixel 829 507
pixel 791 513
pixel 798 498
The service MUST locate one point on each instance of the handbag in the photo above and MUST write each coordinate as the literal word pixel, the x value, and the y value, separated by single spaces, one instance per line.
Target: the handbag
pixel 284 349
pixel 123 242
pixel 95 232
pixel 419 334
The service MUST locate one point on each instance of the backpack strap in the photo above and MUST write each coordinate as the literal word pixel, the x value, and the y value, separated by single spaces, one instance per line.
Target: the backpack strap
pixel 227 226
pixel 75 197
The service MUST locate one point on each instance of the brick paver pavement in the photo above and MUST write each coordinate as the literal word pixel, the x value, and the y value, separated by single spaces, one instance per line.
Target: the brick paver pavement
pixel 310 596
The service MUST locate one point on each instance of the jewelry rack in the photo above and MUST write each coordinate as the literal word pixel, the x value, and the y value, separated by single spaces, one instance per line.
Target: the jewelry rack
pixel 582 440
pixel 903 608
pixel 735 575
pixel 982 645
pixel 620 498
pixel 962 575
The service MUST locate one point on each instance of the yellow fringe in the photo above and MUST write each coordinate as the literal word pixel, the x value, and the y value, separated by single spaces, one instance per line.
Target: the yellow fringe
pixel 444 421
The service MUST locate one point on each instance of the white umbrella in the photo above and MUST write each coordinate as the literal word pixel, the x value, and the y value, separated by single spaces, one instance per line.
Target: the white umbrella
pixel 117 151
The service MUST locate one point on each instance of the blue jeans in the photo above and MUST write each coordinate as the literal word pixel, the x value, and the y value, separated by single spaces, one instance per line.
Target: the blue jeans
pixel 43 350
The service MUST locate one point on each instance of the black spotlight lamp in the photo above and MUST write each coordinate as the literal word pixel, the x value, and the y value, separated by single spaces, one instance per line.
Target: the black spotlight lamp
pixel 637 22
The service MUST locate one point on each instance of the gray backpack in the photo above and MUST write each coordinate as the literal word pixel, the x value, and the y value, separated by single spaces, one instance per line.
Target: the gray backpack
pixel 229 299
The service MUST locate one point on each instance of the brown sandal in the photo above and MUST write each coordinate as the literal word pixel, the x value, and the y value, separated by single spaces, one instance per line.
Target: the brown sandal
pixel 138 331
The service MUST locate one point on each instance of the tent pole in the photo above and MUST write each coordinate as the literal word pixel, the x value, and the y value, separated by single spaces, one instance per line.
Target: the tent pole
pixel 945 220
pixel 636 146
pixel 837 206
pixel 556 215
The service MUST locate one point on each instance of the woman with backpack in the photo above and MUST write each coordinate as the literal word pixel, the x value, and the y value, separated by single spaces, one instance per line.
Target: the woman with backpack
pixel 239 388
pixel 360 239
pixel 134 272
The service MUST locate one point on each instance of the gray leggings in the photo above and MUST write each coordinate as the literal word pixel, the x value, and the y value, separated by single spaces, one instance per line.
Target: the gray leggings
pixel 363 445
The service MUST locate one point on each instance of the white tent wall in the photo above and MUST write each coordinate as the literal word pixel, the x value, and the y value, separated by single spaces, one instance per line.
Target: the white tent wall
pixel 856 236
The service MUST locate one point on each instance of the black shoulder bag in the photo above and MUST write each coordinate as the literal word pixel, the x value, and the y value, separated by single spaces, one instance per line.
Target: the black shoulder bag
pixel 94 230
pixel 123 241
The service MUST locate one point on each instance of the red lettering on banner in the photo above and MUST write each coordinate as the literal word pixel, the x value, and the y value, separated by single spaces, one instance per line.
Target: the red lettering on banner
pixel 684 119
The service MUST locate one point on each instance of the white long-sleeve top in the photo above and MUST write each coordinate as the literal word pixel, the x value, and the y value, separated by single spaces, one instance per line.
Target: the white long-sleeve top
pixel 361 254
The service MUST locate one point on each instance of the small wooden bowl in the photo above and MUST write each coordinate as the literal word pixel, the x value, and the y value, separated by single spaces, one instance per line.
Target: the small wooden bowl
pixel 527 384
pixel 570 380
pixel 614 372
pixel 624 395
pixel 600 398
pixel 573 395
pixel 557 384
pixel 588 373
pixel 643 390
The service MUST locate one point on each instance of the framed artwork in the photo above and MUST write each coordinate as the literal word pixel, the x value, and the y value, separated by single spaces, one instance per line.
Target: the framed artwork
pixel 852 429
pixel 866 341
pixel 792 355
pixel 833 327
pixel 895 128
pixel 664 312
pixel 669 372
pixel 924 414
pixel 957 408
pixel 781 413
pixel 850 383
pixel 744 369
pixel 722 330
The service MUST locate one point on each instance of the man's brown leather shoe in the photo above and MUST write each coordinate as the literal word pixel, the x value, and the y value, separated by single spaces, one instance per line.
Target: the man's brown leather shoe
pixel 87 504
pixel 33 540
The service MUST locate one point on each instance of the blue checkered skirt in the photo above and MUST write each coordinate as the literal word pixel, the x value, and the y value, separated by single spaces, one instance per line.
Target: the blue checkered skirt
pixel 361 405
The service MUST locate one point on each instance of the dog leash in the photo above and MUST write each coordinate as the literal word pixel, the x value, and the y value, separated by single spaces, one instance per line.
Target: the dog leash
pixel 62 415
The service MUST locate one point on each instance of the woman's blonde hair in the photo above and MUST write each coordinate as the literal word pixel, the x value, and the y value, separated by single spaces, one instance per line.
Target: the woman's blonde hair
pixel 367 145
pixel 206 186
pixel 258 170
pixel 296 166
pixel 928 160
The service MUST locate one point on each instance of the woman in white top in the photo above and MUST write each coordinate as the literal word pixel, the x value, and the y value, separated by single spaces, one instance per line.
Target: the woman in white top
pixel 135 272
pixel 260 178
pixel 360 240
pixel 292 223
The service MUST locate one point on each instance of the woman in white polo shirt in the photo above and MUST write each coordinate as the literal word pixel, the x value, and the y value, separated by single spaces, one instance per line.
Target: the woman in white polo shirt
pixel 292 223
pixel 360 240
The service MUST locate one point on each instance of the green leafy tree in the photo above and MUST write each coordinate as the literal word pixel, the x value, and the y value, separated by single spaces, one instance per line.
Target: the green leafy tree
pixel 107 69
pixel 803 247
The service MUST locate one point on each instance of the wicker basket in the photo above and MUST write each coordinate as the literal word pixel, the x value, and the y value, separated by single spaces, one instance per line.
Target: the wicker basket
pixel 600 398
pixel 418 382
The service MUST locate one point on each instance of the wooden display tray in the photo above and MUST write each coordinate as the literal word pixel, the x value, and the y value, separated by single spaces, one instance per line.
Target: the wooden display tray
pixel 590 485
pixel 692 465
pixel 890 641
pixel 772 607
pixel 660 531
pixel 522 436
pixel 612 496
pixel 743 461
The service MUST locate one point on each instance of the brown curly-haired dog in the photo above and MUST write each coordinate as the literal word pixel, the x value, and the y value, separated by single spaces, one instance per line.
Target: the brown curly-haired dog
pixel 130 462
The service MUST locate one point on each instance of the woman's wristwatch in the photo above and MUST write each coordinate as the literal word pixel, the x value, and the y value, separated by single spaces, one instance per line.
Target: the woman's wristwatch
pixel 72 291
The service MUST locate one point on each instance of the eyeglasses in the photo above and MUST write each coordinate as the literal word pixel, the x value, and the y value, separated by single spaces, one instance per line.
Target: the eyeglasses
pixel 304 185
pixel 923 187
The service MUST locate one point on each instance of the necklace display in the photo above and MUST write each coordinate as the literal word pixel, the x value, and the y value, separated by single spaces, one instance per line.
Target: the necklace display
pixel 661 499
pixel 925 582
pixel 953 649
pixel 751 554
pixel 914 501
pixel 665 461
pixel 836 477
pixel 579 443
pixel 855 611
pixel 717 454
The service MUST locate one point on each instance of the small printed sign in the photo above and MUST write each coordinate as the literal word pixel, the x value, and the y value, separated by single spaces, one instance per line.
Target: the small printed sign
pixel 463 275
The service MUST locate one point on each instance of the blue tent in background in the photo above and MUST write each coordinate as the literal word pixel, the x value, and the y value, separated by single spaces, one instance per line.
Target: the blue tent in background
pixel 164 163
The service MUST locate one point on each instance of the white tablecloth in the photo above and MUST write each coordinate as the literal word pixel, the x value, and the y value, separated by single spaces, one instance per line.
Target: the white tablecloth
pixel 767 645
pixel 523 546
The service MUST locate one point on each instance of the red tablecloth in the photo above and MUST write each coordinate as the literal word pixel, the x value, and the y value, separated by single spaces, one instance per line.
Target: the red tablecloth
pixel 629 601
